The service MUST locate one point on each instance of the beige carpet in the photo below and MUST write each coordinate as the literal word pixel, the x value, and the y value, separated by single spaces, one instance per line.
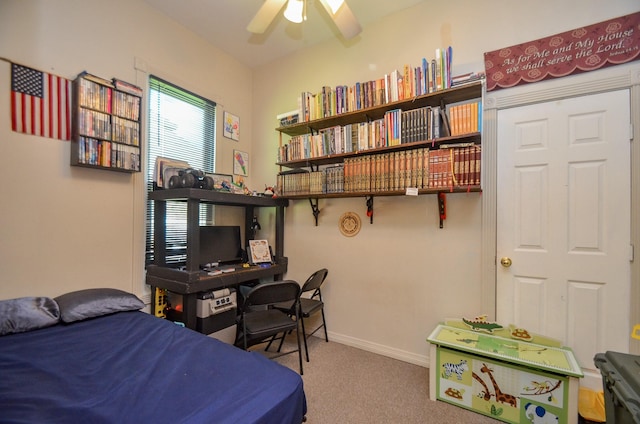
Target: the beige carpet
pixel 348 385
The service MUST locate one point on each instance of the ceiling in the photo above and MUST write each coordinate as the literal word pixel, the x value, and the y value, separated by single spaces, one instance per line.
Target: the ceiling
pixel 223 23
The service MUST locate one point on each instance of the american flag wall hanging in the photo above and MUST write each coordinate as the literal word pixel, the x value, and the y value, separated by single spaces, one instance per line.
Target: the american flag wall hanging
pixel 40 103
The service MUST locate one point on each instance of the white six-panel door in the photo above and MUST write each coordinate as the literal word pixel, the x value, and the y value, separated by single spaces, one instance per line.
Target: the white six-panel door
pixel 563 221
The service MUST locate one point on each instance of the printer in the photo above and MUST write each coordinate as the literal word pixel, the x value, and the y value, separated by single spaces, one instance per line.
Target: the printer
pixel 216 314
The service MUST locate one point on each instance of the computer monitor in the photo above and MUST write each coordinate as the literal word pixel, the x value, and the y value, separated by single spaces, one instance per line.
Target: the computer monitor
pixel 221 244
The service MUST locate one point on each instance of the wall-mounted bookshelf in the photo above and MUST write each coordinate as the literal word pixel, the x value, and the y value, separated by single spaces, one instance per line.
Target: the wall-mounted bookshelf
pixel 428 142
pixel 431 142
pixel 106 124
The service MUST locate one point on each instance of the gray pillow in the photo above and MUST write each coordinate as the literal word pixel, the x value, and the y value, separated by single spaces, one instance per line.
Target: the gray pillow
pixel 27 313
pixel 90 303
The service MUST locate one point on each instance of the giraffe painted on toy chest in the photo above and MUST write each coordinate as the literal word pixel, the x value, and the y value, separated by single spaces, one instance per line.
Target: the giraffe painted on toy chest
pixel 500 397
pixel 486 394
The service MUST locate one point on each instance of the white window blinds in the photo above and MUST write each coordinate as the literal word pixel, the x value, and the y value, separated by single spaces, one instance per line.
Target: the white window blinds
pixel 181 126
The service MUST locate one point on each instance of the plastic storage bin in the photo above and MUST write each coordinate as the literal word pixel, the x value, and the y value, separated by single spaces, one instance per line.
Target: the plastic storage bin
pixel 621 383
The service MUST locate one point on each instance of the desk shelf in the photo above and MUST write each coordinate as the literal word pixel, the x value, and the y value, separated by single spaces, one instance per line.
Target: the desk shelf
pixel 184 282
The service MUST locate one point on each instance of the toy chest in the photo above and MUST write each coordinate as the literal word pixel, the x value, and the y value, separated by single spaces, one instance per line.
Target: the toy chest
pixel 621 383
pixel 507 379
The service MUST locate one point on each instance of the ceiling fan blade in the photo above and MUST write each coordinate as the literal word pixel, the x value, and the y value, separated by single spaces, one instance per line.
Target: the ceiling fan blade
pixel 265 15
pixel 344 19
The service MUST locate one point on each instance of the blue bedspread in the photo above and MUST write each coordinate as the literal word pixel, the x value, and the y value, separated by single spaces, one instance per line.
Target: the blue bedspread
pixel 132 367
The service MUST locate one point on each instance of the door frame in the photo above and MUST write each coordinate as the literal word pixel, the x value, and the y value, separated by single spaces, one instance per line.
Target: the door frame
pixel 626 76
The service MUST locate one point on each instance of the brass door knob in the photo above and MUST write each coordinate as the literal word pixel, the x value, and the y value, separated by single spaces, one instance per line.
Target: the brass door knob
pixel 505 262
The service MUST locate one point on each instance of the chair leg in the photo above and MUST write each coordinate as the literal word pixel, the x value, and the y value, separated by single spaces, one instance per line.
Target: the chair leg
pixel 244 336
pixel 299 350
pixel 281 341
pixel 304 337
pixel 271 341
pixel 324 324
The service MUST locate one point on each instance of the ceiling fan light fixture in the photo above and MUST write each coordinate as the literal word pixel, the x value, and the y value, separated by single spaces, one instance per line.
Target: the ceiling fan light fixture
pixel 295 11
pixel 334 5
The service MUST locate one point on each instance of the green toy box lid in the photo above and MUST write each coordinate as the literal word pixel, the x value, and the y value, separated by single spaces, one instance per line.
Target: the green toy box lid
pixel 559 360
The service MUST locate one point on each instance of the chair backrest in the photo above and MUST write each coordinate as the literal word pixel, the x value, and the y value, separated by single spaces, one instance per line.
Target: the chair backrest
pixel 315 280
pixel 270 293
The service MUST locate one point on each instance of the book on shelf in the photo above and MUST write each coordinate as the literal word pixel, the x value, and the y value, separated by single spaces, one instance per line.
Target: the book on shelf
pixel 445 129
pixel 127 87
pixel 288 118
pixel 95 78
pixel 467 78
pixel 438 70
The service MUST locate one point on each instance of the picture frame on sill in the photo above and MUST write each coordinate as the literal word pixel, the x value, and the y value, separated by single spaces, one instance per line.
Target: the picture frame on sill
pixel 231 126
pixel 259 252
pixel 222 182
pixel 240 163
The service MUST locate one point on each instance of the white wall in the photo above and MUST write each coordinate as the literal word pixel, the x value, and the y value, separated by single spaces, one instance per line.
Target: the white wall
pixel 64 228
pixel 391 284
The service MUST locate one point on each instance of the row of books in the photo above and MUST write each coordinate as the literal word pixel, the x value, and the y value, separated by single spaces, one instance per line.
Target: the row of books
pixel 410 81
pixel 95 124
pixel 331 181
pixel 126 106
pixel 397 127
pixel 414 125
pixel 104 153
pixel 420 168
pixel 101 97
pixel 94 96
pixel 465 118
pixel 125 131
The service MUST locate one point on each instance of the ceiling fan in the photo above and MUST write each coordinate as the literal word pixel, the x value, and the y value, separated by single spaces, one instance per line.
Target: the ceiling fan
pixel 295 11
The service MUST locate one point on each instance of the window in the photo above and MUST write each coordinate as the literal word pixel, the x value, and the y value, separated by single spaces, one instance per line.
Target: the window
pixel 182 126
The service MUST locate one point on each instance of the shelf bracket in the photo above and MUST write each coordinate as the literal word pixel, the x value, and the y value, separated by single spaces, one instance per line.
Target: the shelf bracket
pixel 314 209
pixel 370 208
pixel 442 208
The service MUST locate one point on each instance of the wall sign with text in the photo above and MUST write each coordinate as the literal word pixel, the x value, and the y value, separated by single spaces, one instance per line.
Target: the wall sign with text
pixel 596 46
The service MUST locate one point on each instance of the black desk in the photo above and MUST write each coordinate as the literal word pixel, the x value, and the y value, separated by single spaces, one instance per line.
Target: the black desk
pixel 189 284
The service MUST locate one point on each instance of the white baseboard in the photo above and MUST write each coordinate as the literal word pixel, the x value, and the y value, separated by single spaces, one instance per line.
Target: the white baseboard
pixel 398 354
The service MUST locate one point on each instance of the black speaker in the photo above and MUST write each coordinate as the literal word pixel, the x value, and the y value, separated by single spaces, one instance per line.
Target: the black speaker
pixel 175 181
pixel 191 178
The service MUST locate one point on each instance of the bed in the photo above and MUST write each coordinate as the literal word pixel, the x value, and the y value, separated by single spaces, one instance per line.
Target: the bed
pixel 79 358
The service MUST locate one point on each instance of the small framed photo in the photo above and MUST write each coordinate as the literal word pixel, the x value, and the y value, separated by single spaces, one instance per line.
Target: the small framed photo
pixel 231 126
pixel 222 182
pixel 240 163
pixel 259 252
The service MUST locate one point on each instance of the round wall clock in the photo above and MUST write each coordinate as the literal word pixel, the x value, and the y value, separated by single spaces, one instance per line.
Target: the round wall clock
pixel 349 224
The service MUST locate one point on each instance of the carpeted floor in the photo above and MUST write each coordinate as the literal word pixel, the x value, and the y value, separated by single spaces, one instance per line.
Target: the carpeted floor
pixel 348 385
